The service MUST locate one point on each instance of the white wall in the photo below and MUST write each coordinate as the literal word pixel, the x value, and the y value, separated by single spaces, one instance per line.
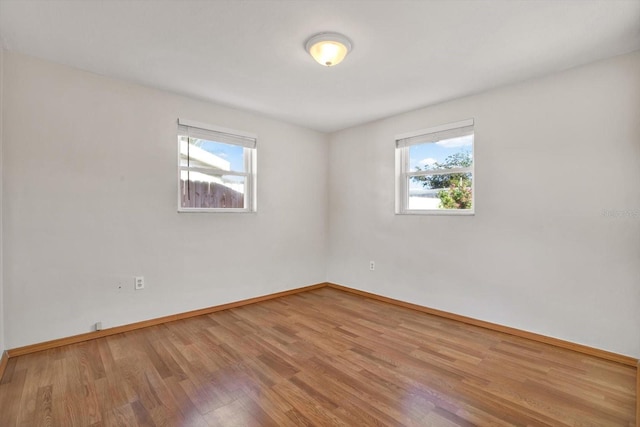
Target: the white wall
pixel 90 201
pixel 539 255
pixel 2 346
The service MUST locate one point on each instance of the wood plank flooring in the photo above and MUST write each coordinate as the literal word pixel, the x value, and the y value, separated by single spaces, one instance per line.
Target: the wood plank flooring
pixel 323 357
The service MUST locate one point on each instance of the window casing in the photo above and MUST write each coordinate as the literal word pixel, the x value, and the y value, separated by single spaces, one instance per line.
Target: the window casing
pixel 435 170
pixel 216 168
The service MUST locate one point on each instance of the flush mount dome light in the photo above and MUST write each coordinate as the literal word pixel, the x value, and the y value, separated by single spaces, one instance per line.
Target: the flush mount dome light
pixel 328 49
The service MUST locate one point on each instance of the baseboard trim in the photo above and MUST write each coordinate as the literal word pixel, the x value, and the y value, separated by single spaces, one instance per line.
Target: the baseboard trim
pixel 19 351
pixel 4 359
pixel 638 395
pixel 580 348
pixel 591 351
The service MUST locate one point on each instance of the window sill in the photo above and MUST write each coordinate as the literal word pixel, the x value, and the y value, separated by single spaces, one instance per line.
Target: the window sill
pixel 214 210
pixel 447 212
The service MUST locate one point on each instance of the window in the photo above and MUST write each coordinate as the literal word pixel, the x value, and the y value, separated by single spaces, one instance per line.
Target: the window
pixel 434 170
pixel 216 169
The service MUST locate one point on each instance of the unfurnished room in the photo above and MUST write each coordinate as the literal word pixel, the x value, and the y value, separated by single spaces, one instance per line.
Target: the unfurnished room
pixel 319 213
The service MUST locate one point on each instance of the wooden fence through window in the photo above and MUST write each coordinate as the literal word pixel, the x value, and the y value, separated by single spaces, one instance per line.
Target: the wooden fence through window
pixel 209 195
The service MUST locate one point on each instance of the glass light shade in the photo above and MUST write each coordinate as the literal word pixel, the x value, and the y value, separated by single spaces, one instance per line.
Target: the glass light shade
pixel 328 49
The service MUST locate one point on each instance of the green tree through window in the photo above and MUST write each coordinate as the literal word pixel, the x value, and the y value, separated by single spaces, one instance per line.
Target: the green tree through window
pixel 456 190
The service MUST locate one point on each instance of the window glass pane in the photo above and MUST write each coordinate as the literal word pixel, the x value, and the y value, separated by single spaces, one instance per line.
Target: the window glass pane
pixel 444 154
pixel 449 191
pixel 203 190
pixel 211 154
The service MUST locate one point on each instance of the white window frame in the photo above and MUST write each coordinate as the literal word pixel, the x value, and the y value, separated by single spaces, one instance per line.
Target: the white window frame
pixel 245 139
pixel 403 172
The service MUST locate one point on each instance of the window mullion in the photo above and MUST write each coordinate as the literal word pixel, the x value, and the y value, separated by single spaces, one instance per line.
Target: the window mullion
pixel 211 171
pixel 441 172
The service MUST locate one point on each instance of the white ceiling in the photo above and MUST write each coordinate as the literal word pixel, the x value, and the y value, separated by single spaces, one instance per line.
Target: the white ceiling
pixel 250 55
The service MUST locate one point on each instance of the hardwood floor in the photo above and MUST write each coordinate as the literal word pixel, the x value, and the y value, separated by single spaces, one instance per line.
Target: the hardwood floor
pixel 323 357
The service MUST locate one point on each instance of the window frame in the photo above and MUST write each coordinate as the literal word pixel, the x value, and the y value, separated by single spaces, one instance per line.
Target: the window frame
pixel 250 164
pixel 403 172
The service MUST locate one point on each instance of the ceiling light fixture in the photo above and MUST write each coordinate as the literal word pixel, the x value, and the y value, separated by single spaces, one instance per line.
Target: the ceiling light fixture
pixel 328 49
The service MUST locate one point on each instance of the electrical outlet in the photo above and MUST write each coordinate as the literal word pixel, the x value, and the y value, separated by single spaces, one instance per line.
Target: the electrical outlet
pixel 372 265
pixel 139 283
pixel 98 326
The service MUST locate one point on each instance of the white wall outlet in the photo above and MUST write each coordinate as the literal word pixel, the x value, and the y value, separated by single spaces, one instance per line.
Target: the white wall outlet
pixel 139 283
pixel 98 326
pixel 372 265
